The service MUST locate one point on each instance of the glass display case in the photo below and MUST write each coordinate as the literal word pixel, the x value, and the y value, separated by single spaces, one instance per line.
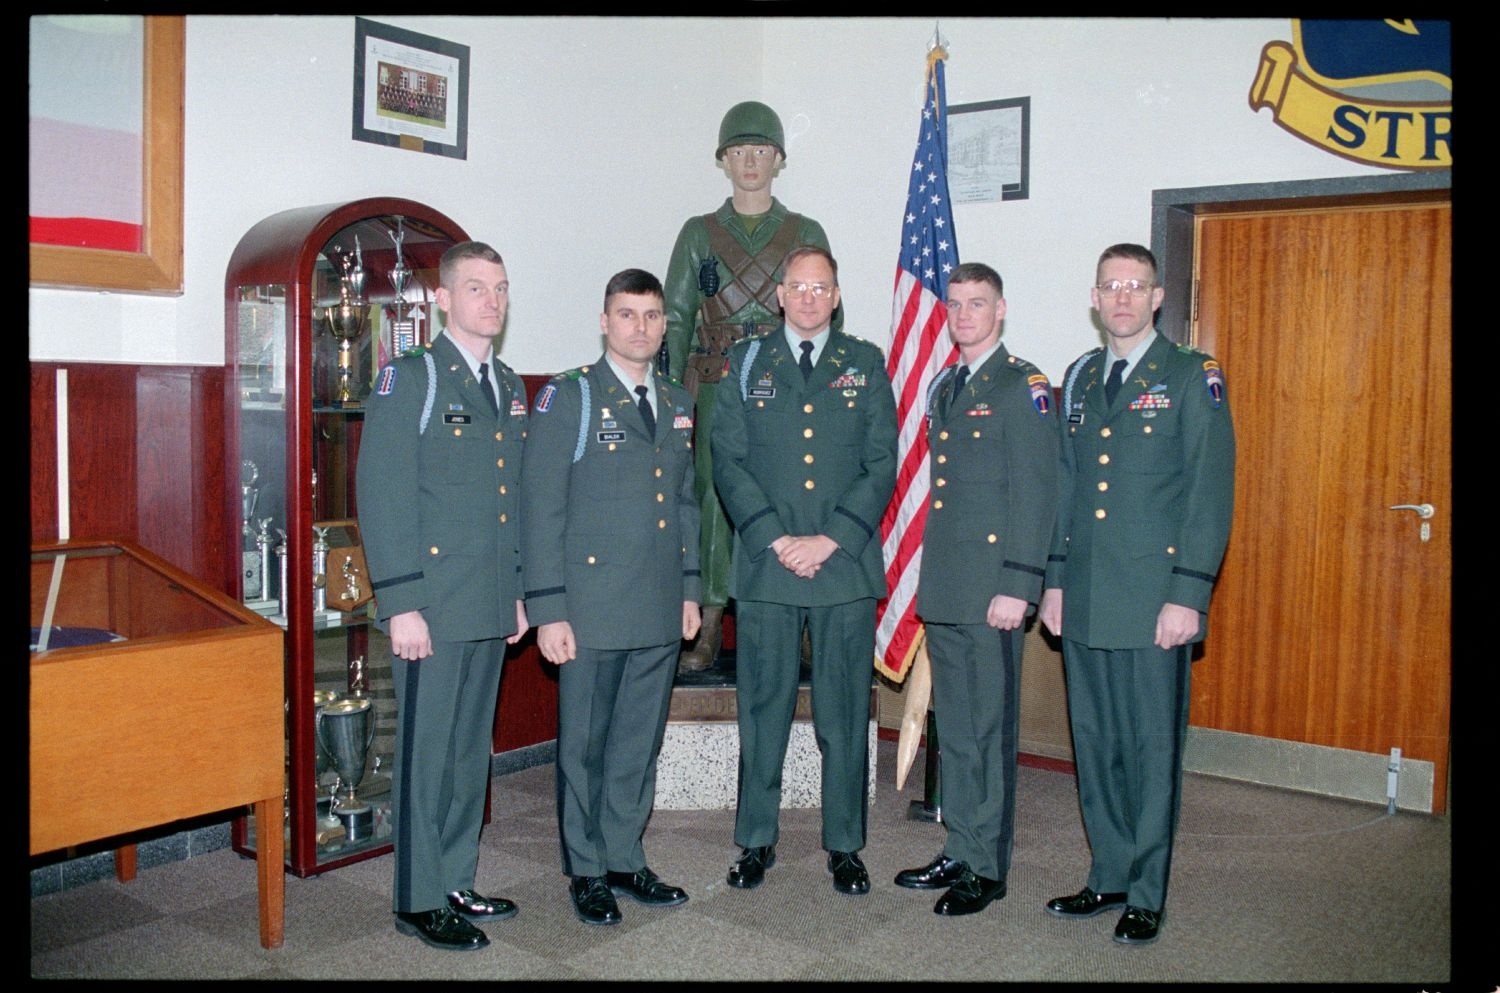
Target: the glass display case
pixel 153 698
pixel 317 299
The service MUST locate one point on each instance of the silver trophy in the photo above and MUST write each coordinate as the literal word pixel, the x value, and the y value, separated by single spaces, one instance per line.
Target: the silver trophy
pixel 263 543
pixel 403 328
pixel 252 578
pixel 322 763
pixel 346 322
pixel 281 557
pixel 320 570
pixel 345 728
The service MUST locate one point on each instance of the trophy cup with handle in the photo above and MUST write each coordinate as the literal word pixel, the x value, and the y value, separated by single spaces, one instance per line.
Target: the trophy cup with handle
pixel 347 322
pixel 345 728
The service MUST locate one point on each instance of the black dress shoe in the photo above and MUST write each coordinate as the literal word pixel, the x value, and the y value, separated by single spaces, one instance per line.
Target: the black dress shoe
pixel 593 902
pixel 441 928
pixel 849 875
pixel 485 908
pixel 1138 926
pixel 1084 903
pixel 749 870
pixel 940 872
pixel 642 886
pixel 969 895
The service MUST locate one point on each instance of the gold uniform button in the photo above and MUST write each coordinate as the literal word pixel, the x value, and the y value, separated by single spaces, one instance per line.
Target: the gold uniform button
pixel 658 472
pixel 807 432
pixel 433 550
pixel 611 446
pixel 937 505
pixel 809 484
pixel 502 491
pixel 1104 459
pixel 1100 514
pixel 941 481
pixel 942 459
pixel 807 408
pixel 500 463
pixel 661 524
pixel 591 560
pixel 943 435
pixel 499 435
pixel 660 498
pixel 976 434
pixel 1103 486
pixel 458 432
pixel 760 403
pixel 523 435
pixel 808 458
pixel 1105 433
pixel 502 518
pixel 851 403
pixel 1147 429
pixel 1171 549
pixel 991 539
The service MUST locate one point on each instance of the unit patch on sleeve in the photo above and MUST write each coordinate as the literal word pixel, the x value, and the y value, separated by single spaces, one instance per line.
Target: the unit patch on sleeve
pixel 1213 376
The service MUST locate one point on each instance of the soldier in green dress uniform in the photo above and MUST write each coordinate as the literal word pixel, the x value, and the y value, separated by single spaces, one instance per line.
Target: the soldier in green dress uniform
pixel 721 287
pixel 804 446
pixel 439 459
pixel 610 557
pixel 992 441
pixel 1145 498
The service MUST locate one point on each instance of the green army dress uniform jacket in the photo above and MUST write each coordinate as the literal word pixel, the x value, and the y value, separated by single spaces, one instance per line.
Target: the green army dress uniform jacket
pixel 1146 494
pixel 795 458
pixel 993 454
pixel 611 537
pixel 437 507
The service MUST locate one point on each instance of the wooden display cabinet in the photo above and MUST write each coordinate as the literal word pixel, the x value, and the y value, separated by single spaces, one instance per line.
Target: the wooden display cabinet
pixel 153 699
pixel 311 313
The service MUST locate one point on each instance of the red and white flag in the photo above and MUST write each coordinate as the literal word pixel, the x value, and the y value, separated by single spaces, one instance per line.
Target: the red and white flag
pixel 919 348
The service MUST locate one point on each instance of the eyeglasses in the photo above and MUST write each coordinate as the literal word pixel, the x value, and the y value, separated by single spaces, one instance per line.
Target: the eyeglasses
pixel 1136 287
pixel 819 290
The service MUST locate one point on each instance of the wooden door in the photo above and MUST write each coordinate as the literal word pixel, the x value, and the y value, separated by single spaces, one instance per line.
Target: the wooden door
pixel 1330 623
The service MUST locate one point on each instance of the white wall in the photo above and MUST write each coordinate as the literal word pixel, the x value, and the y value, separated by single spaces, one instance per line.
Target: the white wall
pixel 591 140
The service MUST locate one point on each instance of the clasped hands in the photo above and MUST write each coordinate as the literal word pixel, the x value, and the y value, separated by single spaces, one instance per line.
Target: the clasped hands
pixel 805 555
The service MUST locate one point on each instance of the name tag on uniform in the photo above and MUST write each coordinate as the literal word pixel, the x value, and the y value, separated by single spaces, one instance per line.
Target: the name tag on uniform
pixel 765 392
pixel 604 436
pixel 457 419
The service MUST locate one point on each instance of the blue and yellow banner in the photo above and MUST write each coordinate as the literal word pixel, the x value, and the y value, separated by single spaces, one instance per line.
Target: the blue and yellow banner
pixel 1373 91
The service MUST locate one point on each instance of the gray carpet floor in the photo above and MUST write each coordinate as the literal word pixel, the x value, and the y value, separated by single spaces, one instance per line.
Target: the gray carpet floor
pixel 1268 886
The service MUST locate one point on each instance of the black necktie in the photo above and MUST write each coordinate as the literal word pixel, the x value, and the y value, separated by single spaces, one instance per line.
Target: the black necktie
pixel 805 362
pixel 958 385
pixel 487 389
pixel 646 414
pixel 1112 384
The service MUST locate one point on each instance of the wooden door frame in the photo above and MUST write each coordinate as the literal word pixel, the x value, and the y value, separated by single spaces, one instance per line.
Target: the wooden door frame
pixel 1174 214
pixel 1174 234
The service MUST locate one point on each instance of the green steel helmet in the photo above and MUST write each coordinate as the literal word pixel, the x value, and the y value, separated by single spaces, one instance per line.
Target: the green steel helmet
pixel 751 123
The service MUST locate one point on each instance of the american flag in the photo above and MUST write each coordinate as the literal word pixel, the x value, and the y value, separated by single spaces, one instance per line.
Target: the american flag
pixel 919 348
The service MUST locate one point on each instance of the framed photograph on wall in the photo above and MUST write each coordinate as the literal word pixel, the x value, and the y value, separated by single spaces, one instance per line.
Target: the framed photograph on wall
pixel 989 151
pixel 410 90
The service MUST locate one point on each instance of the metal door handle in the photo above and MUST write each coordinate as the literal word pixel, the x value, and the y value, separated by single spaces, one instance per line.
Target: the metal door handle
pixel 1423 510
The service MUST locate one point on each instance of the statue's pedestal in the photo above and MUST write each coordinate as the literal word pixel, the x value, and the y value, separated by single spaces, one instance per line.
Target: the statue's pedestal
pixel 699 764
